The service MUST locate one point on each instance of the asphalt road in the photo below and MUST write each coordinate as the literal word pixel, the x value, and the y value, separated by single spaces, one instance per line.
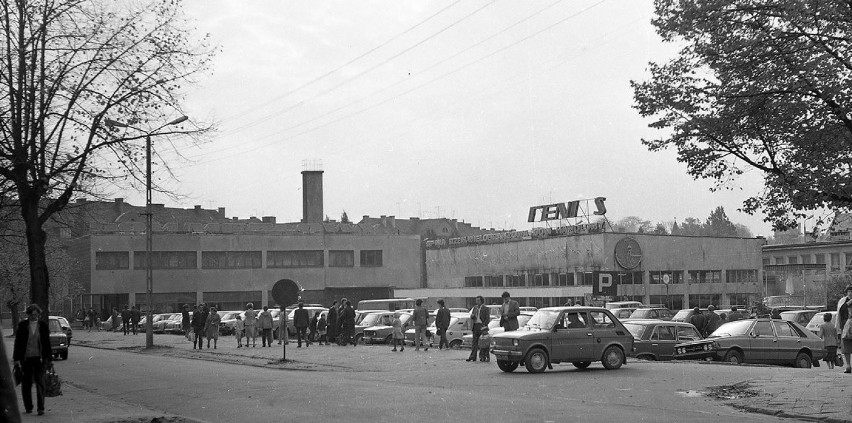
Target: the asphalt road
pixel 412 387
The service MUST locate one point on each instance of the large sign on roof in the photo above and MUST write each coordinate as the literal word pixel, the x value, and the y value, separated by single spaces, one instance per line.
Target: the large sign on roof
pixel 536 233
pixel 569 210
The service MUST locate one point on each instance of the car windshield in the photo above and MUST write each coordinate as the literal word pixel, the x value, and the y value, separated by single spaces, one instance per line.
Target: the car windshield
pixel 737 328
pixel 636 329
pixel 681 315
pixel 522 321
pixel 495 323
pixel 543 319
pixel 230 315
pixel 55 326
pixel 370 319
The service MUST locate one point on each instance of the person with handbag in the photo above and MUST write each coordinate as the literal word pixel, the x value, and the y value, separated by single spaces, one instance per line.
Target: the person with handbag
pixel 33 353
pixel 509 312
pixel 480 316
pixel 844 326
pixel 442 323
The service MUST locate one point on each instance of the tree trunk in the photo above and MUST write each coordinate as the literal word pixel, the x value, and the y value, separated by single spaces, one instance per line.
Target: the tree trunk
pixel 13 308
pixel 36 242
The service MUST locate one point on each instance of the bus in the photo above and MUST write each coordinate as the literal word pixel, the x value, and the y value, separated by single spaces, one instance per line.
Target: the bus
pixel 387 304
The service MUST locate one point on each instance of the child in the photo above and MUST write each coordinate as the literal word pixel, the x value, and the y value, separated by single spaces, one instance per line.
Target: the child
pixel 322 324
pixel 239 328
pixel 828 333
pixel 484 345
pixel 397 333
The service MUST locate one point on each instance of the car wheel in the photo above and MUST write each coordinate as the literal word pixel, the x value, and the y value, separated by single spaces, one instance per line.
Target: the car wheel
pixel 734 356
pixel 389 339
pixel 613 357
pixel 803 361
pixel 507 366
pixel 455 344
pixel 536 360
pixel 581 364
pixel 64 355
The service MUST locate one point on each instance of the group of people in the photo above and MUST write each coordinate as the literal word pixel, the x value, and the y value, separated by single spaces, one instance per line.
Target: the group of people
pixel 480 316
pixel 202 323
pixel 707 323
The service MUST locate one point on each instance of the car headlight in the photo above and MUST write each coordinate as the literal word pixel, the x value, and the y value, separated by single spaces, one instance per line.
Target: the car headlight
pixel 515 343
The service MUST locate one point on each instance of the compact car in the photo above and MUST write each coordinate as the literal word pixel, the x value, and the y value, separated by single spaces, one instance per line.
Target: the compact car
pixel 801 317
pixel 762 341
pixel 656 339
pixel 58 339
pixel 651 313
pixel 819 319
pixel 495 328
pixel 553 335
pixel 66 327
pixel 383 334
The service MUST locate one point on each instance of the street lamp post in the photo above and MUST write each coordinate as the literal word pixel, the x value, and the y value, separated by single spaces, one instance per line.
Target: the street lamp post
pixel 149 226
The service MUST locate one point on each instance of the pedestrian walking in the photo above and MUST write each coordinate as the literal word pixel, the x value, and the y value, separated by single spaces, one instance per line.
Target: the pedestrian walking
pixel 116 319
pixel 93 317
pixel 509 312
pixel 186 321
pixel 340 329
pixel 213 321
pixel 322 323
pixel 199 321
pixel 239 328
pixel 282 325
pixel 397 338
pixel 251 325
pixel 484 345
pixel 347 319
pixel 480 316
pixel 421 320
pixel 332 323
pixel 301 321
pixel 697 319
pixel 829 336
pixel 843 325
pixel 713 321
pixel 264 323
pixel 312 327
pixel 442 323
pixel 125 320
pixel 33 353
pixel 135 317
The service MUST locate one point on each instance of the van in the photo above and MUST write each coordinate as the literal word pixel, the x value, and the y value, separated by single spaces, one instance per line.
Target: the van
pixel 624 304
pixel 387 304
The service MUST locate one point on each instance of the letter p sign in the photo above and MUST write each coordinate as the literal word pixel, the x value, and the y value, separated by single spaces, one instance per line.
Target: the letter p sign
pixel 604 285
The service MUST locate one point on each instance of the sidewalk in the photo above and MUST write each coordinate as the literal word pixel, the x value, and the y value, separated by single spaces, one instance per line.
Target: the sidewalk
pixel 817 394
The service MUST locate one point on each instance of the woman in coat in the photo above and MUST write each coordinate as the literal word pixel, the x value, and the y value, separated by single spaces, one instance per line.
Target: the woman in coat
pixel 213 320
pixel 33 353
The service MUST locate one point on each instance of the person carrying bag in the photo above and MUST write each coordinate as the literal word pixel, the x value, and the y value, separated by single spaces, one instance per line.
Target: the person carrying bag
pixel 33 353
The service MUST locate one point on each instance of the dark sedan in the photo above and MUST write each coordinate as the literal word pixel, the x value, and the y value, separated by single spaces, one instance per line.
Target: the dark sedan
pixel 762 341
pixel 656 339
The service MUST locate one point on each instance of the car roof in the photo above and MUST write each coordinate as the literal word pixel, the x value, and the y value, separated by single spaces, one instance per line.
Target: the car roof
pixel 656 322
pixel 584 308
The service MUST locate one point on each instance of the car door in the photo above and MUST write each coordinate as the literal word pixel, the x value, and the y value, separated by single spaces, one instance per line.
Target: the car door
pixel 787 342
pixel 762 343
pixel 572 339
pixel 663 340
pixel 602 332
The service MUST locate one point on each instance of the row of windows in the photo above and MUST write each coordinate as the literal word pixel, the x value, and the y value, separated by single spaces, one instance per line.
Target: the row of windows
pixel 119 260
pixel 834 258
pixel 622 278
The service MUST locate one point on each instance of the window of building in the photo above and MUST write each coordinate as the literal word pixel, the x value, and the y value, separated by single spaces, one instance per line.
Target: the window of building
pixel 294 258
pixel 849 260
pixel 494 281
pixel 341 258
pixel 672 302
pixel 703 300
pixel 472 281
pixel 820 259
pixel 806 259
pixel 588 279
pixel 705 276
pixel 565 279
pixel 741 276
pixel 739 299
pixel 539 302
pixel 779 260
pixel 231 260
pixel 166 260
pixel 835 261
pixel 766 261
pixel 518 280
pixel 112 260
pixel 792 259
pixel 541 279
pixel 660 277
pixel 371 258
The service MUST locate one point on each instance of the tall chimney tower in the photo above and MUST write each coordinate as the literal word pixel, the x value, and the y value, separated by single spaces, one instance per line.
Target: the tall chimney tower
pixel 312 191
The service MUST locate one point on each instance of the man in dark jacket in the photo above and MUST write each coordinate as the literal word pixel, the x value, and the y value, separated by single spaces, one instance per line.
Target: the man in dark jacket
pixel 697 319
pixel 509 313
pixel 712 321
pixel 32 352
pixel 301 320
pixel 331 325
pixel 347 318
pixel 442 323
pixel 135 317
pixel 125 320
pixel 480 315
pixel 199 320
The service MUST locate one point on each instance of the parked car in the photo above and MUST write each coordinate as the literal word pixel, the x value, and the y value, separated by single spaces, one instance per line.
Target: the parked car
pixel 623 312
pixel 624 304
pixel 459 327
pixel 107 324
pixel 229 320
pixel 658 313
pixel 291 329
pixel 762 341
pixel 375 318
pixel 529 309
pixel 58 339
pixel 685 314
pixel 494 328
pixel 383 334
pixel 578 335
pixel 171 324
pixel 818 319
pixel 656 339
pixel 801 317
pixel 408 335
pixel 66 327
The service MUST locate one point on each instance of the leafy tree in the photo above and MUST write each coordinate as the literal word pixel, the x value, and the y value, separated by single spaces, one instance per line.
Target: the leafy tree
pixel 660 229
pixel 718 224
pixel 69 67
pixel 758 85
pixel 675 228
pixel 344 218
pixel 743 231
pixel 632 224
pixel 691 226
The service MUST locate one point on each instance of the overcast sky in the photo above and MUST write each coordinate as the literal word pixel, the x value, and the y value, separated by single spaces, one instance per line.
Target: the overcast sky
pixel 472 110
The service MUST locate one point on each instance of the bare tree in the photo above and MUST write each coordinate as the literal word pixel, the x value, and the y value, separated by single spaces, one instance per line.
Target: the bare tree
pixel 66 67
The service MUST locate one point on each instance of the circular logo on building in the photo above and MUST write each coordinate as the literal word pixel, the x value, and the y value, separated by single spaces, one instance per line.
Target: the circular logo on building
pixel 628 253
